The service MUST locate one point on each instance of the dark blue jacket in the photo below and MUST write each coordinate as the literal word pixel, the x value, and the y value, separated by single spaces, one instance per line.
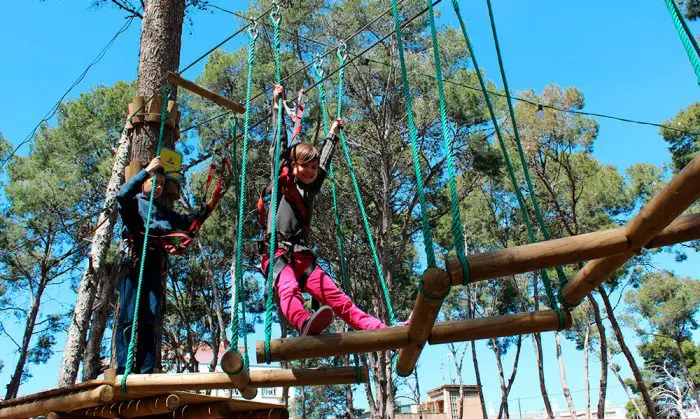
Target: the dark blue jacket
pixel 133 208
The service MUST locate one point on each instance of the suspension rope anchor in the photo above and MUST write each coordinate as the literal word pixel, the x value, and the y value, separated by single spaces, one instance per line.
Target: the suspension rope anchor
pixel 253 30
pixel 342 51
pixel 276 14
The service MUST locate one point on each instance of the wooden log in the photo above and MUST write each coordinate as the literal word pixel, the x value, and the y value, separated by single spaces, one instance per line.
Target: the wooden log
pixel 679 194
pixel 435 287
pixel 308 377
pixel 232 364
pixel 260 414
pixel 151 384
pixel 57 415
pixel 497 326
pixel 205 93
pixel 154 109
pixel 564 251
pixel 63 403
pixel 204 411
pixel 321 346
pixel 135 408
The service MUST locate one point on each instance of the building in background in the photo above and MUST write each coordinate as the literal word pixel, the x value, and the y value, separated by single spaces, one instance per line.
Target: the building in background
pixel 443 403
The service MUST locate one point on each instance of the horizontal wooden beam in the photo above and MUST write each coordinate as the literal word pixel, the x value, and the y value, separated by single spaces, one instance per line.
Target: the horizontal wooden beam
pixel 62 403
pixel 564 251
pixel 677 196
pixel 147 384
pixel 336 344
pixel 205 93
pixel 497 326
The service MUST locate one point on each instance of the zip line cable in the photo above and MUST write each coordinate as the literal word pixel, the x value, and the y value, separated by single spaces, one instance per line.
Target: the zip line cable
pixel 233 35
pixel 77 81
pixel 496 93
pixel 326 77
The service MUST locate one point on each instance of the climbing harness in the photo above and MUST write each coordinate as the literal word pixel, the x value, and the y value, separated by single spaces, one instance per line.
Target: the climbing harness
pixel 296 114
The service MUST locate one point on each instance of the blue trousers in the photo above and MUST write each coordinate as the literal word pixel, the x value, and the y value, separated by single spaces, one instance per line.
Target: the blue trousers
pixel 149 311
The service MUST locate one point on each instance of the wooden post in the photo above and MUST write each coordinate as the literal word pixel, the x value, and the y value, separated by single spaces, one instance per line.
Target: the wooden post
pixel 679 194
pixel 564 251
pixel 205 93
pixel 497 326
pixel 78 400
pixel 232 364
pixel 434 289
pixel 151 384
pixel 360 341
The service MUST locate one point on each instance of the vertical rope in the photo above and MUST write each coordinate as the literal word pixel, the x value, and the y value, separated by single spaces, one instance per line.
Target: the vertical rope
pixel 165 96
pixel 275 18
pixel 239 321
pixel 358 195
pixel 457 229
pixel 318 70
pixel 687 38
pixel 413 135
pixel 509 166
pixel 331 176
pixel 521 153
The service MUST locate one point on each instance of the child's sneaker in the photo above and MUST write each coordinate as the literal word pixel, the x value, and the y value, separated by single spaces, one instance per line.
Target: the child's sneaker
pixel 317 322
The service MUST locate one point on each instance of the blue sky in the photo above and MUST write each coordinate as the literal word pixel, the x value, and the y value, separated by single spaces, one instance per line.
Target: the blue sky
pixel 625 56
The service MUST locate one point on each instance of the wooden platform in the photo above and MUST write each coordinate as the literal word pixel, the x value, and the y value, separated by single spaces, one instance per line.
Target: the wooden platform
pixel 105 399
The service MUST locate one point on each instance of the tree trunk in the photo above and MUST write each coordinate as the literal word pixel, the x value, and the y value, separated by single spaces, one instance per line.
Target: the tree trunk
pixel 632 399
pixel 503 408
pixel 689 379
pixel 628 354
pixel 603 357
pixel 92 365
pixel 537 342
pixel 478 381
pixel 94 273
pixel 16 380
pixel 562 374
pixel 586 377
pixel 161 37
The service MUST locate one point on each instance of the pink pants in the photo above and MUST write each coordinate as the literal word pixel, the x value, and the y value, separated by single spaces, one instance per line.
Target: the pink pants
pixel 322 288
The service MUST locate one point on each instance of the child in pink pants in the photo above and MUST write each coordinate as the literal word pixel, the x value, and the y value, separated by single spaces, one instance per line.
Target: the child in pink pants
pixel 303 170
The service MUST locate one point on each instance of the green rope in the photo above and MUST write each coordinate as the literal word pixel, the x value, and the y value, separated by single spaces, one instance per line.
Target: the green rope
pixel 275 18
pixel 509 166
pixel 526 171
pixel 331 177
pixel 318 70
pixel 239 323
pixel 165 95
pixel 412 133
pixel 687 38
pixel 358 195
pixel 457 229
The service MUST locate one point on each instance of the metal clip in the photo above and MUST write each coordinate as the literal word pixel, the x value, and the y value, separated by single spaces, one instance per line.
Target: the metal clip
pixel 276 14
pixel 342 51
pixel 253 30
pixel 318 66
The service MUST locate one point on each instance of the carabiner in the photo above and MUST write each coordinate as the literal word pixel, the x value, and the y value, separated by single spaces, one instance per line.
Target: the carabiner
pixel 276 14
pixel 318 66
pixel 342 51
pixel 253 30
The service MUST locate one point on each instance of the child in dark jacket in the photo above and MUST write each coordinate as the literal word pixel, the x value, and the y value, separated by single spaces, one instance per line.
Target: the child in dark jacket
pixel 296 270
pixel 132 201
